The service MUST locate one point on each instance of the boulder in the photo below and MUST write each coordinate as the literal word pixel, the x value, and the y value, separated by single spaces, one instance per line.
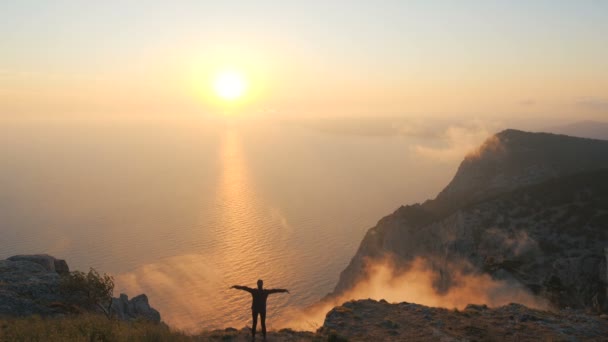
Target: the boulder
pixel 61 266
pixel 49 263
pixel 136 308
pixel 27 287
pixel 142 308
pixel 44 260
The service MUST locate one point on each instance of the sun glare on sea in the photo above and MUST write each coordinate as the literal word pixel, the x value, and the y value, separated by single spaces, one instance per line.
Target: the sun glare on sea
pixel 229 85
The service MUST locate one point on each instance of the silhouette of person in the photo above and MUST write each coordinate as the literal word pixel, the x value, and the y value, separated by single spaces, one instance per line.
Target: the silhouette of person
pixel 258 305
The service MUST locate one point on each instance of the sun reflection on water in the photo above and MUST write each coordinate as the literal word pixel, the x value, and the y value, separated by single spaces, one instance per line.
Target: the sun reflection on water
pixel 248 238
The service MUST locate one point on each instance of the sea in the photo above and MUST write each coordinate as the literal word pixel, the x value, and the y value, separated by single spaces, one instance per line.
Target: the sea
pixel 183 210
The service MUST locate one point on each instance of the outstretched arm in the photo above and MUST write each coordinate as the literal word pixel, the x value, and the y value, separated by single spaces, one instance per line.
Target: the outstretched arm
pixel 277 291
pixel 244 288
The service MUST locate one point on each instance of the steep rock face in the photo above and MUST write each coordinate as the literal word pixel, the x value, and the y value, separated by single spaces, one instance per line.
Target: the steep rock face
pixel 514 213
pixel 30 284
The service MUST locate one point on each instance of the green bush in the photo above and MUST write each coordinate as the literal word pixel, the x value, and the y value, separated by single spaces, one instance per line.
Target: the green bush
pixel 89 289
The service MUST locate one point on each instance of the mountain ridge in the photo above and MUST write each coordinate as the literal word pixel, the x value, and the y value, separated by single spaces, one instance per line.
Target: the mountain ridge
pixel 514 158
pixel 509 167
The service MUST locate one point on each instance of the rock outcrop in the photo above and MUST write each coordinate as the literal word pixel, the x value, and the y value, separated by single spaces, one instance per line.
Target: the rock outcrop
pixel 369 320
pixel 28 287
pixel 30 284
pixel 50 264
pixel 137 307
pixel 526 207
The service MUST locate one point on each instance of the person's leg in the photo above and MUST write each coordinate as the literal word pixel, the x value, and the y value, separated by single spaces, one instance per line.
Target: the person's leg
pixel 263 317
pixel 255 322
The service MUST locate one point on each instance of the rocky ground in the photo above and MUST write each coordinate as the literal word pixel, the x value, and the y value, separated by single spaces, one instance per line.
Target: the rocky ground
pixel 286 335
pixel 369 320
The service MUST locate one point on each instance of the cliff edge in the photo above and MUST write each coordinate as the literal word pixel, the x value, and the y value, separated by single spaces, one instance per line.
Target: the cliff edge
pixel 527 208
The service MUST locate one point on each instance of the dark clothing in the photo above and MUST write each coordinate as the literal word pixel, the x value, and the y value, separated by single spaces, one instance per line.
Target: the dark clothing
pixel 255 322
pixel 258 305
pixel 259 297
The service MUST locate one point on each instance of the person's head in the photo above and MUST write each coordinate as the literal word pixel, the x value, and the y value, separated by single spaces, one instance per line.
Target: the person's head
pixel 260 284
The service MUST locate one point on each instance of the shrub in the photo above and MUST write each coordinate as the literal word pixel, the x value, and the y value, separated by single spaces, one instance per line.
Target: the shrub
pixel 89 289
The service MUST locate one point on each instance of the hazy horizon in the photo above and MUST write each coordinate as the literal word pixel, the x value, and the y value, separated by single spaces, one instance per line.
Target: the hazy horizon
pixel 484 60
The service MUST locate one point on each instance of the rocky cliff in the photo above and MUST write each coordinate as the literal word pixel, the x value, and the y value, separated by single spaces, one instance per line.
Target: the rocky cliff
pixel 513 159
pixel 530 208
pixel 30 284
pixel 369 320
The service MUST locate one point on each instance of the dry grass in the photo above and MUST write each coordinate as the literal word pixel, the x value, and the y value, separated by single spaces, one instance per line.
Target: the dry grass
pixel 85 328
pixel 89 328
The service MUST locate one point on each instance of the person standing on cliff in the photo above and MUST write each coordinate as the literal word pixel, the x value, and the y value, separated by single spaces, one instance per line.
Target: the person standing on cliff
pixel 258 305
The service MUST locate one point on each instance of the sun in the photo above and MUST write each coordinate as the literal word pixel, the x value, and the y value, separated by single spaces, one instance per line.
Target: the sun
pixel 229 85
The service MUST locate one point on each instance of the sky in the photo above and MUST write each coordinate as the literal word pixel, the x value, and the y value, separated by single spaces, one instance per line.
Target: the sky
pixel 444 59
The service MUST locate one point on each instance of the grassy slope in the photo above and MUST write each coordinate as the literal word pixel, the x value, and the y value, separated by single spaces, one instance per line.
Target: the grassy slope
pixel 86 327
pixel 89 327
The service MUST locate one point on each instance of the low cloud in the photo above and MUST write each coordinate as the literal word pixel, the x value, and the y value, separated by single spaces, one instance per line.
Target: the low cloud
pixel 457 141
pixel 182 288
pixel 387 281
pixel 185 290
pixel 492 145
